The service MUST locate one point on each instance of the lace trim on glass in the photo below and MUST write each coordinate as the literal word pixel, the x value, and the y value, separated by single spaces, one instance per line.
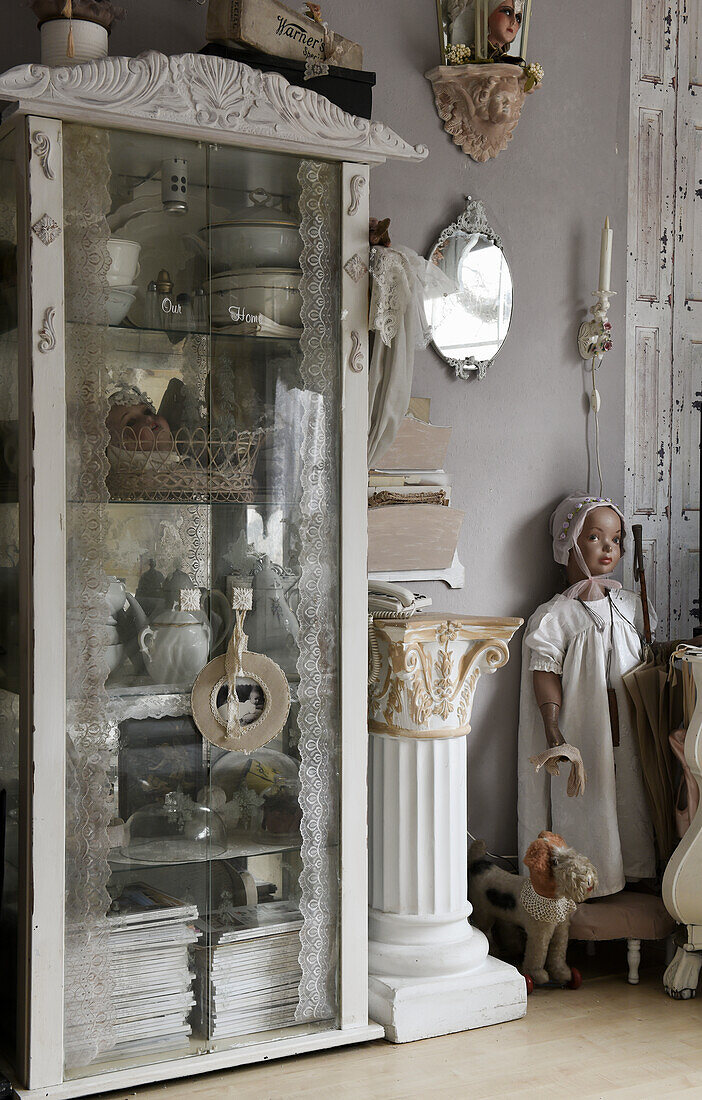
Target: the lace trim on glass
pixel 88 975
pixel 317 611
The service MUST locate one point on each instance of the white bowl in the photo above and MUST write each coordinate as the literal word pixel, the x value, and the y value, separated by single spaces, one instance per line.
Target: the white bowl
pixel 275 294
pixel 119 302
pixel 89 41
pixel 125 261
pixel 249 244
pixel 286 277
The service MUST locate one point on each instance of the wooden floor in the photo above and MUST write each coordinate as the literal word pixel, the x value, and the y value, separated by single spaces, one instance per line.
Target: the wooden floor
pixel 606 1039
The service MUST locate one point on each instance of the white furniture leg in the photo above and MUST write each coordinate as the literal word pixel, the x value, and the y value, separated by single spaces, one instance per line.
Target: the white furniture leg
pixel 682 976
pixel 633 958
pixel 430 972
pixel 682 881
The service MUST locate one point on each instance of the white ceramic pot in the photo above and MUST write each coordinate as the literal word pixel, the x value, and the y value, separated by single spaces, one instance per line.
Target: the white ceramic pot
pixel 119 301
pixel 274 292
pixel 253 245
pixel 125 261
pixel 89 41
pixel 175 647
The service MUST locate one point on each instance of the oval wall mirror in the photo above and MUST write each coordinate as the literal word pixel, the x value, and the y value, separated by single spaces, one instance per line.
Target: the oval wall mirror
pixel 469 326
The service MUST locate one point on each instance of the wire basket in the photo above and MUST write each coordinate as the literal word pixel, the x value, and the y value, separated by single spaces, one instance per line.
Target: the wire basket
pixel 188 466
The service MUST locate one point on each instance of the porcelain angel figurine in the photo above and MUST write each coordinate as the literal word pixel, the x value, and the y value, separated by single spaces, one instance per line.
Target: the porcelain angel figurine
pixel 574 712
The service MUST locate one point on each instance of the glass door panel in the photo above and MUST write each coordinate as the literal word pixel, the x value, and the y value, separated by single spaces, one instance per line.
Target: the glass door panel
pixel 140 840
pixel 202 421
pixel 9 601
pixel 273 247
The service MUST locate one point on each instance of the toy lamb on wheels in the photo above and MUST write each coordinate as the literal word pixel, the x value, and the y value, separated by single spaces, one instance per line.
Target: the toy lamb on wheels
pixel 541 903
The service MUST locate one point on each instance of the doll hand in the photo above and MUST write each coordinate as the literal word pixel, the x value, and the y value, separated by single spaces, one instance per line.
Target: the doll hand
pixel 551 758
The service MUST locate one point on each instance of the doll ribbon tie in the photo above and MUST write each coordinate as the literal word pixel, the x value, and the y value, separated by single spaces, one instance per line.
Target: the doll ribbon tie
pixel 550 760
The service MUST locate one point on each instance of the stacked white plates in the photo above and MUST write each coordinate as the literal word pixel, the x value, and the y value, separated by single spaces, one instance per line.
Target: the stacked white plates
pixel 248 975
pixel 151 996
pixel 242 296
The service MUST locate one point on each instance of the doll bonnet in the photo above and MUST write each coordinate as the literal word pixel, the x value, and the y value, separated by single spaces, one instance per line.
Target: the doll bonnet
pixel 122 393
pixel 566 525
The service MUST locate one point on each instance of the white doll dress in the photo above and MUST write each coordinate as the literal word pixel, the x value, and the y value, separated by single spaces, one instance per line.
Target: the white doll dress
pixel 610 823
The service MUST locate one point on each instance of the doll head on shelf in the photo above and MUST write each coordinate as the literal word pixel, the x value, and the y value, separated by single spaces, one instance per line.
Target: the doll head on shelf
pixel 588 539
pixel 504 22
pixel 133 422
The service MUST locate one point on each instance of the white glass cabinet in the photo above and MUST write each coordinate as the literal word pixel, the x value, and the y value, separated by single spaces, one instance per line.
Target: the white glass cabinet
pixel 183 391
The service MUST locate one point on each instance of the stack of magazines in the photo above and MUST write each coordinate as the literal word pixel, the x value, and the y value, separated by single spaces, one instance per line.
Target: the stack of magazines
pixel 152 996
pixel 247 969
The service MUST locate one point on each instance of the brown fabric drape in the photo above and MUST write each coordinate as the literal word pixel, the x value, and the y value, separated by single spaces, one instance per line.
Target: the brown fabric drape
pixel 657 699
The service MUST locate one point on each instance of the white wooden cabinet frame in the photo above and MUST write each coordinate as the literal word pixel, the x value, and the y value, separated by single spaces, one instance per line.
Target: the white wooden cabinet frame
pixel 219 101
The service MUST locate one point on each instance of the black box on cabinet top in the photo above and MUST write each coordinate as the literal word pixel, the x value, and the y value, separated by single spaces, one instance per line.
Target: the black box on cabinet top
pixel 350 89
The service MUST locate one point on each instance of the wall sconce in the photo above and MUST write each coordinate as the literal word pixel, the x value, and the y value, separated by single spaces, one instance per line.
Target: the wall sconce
pixel 483 80
pixel 595 335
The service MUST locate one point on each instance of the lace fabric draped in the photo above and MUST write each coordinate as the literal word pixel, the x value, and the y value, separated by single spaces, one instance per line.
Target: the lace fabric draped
pixel 317 612
pixel 87 981
pixel 402 281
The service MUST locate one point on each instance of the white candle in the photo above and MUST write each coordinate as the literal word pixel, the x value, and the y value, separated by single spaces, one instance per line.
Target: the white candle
pixel 606 256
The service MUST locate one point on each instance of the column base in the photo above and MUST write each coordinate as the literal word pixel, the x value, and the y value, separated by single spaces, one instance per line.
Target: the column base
pixel 420 1008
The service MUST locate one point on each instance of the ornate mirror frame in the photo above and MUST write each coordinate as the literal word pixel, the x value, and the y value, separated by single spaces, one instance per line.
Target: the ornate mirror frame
pixel 472 220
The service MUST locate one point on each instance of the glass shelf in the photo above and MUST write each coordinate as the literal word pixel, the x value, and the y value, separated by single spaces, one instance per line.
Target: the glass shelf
pixel 244 847
pixel 257 502
pixel 176 335
pixel 140 688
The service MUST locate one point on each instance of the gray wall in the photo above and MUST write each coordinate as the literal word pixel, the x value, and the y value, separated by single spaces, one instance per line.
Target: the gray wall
pixel 519 439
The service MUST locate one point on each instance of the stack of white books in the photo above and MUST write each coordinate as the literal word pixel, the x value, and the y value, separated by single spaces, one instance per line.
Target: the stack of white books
pixel 152 996
pixel 412 529
pixel 248 975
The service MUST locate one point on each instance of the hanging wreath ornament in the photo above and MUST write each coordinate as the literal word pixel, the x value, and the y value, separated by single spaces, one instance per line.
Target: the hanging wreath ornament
pixel 220 721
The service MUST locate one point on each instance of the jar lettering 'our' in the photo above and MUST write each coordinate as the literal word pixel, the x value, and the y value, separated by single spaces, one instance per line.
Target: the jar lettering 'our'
pixel 169 306
pixel 238 313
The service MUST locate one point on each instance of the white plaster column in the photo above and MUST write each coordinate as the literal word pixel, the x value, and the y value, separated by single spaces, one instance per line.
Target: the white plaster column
pixel 430 972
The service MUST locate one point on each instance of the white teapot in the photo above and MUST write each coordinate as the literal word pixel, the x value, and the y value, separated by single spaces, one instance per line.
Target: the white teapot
pixel 176 645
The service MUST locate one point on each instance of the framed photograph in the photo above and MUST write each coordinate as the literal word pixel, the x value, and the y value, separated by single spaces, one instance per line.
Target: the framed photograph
pixel 158 755
pixel 251 698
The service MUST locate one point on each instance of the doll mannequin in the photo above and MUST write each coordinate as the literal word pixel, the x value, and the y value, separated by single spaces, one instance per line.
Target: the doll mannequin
pixel 504 22
pixel 577 646
pixel 133 422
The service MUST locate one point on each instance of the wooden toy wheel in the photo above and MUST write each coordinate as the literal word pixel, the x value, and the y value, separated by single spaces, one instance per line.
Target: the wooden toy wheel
pixel 576 979
pixel 529 983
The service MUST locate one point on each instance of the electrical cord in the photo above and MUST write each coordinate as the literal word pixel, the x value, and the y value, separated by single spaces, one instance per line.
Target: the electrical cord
pixel 594 405
pixel 514 860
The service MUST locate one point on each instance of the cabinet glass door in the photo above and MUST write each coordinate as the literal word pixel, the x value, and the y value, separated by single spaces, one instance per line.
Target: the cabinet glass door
pixel 202 377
